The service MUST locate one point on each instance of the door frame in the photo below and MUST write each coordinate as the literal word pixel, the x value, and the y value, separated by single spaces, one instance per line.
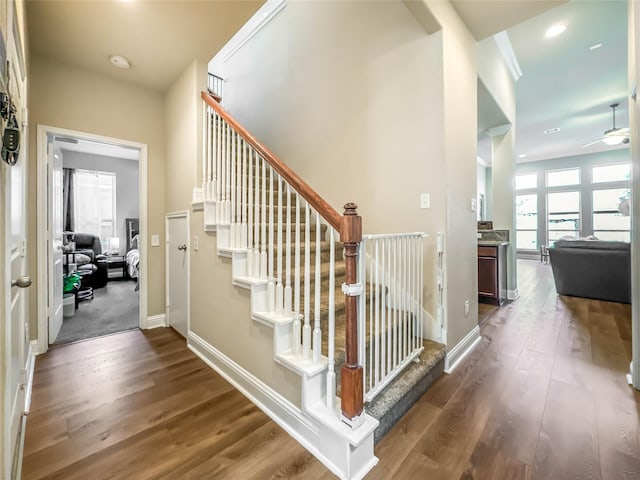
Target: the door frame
pixel 43 184
pixel 179 214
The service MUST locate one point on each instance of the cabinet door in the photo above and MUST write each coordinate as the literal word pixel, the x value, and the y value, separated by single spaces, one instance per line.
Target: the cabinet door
pixel 487 276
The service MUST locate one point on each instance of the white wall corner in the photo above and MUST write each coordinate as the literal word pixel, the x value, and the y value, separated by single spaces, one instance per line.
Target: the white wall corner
pixel 513 294
pixel 257 22
pixel 154 321
pixel 464 346
pixel 508 55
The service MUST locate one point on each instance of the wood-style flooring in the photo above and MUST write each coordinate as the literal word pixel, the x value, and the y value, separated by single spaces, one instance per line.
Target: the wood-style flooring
pixel 543 396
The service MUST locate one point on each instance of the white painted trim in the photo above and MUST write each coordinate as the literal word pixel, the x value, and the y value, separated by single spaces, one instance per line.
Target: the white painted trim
pixel 154 321
pixel 30 368
pixel 257 22
pixel 508 55
pixel 304 429
pixel 464 346
pixel 179 214
pixel 41 209
pixel 513 294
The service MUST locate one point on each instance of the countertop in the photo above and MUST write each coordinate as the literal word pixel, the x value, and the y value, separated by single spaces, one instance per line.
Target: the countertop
pixel 492 243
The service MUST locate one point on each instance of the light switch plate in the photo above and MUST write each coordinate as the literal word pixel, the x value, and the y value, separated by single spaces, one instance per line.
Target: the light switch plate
pixel 155 240
pixel 425 200
pixel 473 204
pixel 196 245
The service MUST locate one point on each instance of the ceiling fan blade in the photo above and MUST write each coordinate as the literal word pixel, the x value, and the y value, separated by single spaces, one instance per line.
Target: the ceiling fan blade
pixel 591 143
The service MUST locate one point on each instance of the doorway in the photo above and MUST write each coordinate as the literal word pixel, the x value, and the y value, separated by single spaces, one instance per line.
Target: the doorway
pixel 94 220
pixel 177 271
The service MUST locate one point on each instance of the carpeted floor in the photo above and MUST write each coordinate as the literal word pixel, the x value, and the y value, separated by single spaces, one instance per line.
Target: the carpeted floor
pixel 114 308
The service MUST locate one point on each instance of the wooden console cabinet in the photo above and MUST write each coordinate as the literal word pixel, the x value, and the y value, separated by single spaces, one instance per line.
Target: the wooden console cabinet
pixel 492 273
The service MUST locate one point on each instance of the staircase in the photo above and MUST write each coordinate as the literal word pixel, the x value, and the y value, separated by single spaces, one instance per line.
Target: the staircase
pixel 346 309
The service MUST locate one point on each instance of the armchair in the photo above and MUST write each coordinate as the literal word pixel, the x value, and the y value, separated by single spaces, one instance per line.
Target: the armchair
pixel 95 269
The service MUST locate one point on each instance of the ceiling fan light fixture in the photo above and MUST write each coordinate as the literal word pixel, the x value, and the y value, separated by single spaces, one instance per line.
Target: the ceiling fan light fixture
pixel 613 140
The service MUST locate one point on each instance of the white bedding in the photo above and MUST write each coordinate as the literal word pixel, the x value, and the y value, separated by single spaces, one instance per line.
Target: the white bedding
pixel 133 262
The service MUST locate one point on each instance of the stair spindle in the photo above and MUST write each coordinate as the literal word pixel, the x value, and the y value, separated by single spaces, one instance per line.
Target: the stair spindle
pixel 316 317
pixel 296 282
pixel 287 287
pixel 331 374
pixel 279 286
pixel 263 234
pixel 250 213
pixel 306 330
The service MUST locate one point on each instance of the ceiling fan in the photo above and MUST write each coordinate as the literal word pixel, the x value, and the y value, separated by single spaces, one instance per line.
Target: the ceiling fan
pixel 613 136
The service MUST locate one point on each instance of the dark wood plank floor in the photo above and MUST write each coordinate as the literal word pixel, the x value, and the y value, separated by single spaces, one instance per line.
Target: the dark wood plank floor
pixel 543 396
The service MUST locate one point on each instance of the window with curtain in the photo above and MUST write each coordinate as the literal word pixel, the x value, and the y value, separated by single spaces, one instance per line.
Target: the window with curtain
pixel 95 203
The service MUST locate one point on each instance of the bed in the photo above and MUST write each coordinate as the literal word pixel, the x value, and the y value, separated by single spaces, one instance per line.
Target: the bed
pixel 132 257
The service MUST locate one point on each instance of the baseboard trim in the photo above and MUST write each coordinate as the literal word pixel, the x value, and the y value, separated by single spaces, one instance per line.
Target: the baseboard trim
pixel 30 369
pixel 464 346
pixel 278 408
pixel 513 294
pixel 154 321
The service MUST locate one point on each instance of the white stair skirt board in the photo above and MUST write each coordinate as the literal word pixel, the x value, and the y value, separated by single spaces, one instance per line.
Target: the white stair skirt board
pixel 347 453
pixel 513 294
pixel 457 353
pixel 154 321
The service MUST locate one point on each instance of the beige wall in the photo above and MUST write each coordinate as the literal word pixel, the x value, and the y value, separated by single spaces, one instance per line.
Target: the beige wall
pixel 68 97
pixel 460 144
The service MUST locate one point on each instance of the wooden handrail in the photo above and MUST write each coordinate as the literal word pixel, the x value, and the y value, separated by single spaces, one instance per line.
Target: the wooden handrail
pixel 325 210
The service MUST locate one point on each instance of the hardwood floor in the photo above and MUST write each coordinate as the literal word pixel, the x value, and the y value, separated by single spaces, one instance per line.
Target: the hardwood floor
pixel 542 396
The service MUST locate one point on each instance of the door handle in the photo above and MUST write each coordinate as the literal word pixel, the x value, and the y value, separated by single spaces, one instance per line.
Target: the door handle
pixel 21 282
pixel 182 247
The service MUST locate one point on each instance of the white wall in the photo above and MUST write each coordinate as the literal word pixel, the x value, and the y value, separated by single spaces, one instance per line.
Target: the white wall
pixel 127 198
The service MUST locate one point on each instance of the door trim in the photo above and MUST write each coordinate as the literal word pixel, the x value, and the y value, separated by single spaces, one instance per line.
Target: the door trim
pixel 41 212
pixel 168 216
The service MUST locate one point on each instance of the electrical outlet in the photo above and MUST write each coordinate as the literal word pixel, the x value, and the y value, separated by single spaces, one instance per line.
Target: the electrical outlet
pixel 466 308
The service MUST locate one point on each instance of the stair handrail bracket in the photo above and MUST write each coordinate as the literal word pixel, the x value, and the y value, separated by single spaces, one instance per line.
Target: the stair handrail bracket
pixel 351 380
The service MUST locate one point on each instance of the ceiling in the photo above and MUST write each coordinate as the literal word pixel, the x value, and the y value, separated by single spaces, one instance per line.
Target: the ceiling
pixel 565 84
pixel 159 38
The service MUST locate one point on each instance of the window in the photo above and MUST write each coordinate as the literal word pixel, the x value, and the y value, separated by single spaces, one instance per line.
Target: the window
pixel 561 178
pixel 608 222
pixel 620 172
pixel 563 215
pixel 95 203
pixel 527 222
pixel 526 181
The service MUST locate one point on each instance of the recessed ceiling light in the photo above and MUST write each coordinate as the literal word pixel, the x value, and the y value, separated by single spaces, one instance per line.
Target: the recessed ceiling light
pixel 596 46
pixel 555 30
pixel 552 130
pixel 119 61
pixel 522 155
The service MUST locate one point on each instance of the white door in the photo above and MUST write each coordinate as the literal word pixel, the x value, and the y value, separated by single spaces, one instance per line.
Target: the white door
pixel 14 328
pixel 177 231
pixel 54 238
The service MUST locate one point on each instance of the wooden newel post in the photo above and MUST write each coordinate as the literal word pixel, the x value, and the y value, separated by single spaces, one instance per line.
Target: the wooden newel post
pixel 351 372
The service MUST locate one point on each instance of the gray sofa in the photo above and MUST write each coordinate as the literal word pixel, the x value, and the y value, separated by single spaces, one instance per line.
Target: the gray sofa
pixel 592 269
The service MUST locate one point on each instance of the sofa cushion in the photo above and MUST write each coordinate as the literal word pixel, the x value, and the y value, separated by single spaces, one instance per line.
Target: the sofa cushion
pixel 593 244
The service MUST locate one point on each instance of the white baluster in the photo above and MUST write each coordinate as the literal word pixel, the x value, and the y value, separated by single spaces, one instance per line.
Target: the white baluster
pixel 383 310
pixel 287 287
pixel 396 341
pixel 206 145
pixel 279 286
pixel 228 183
pixel 250 197
pixel 232 202
pixel 244 241
pixel 296 282
pixel 421 296
pixel 317 335
pixel 256 220
pixel 372 293
pixel 331 334
pixel 263 234
pixel 306 329
pixel 376 348
pixel 389 322
pixel 271 287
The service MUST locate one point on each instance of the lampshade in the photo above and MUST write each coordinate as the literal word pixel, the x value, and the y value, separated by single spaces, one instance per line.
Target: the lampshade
pixel 114 243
